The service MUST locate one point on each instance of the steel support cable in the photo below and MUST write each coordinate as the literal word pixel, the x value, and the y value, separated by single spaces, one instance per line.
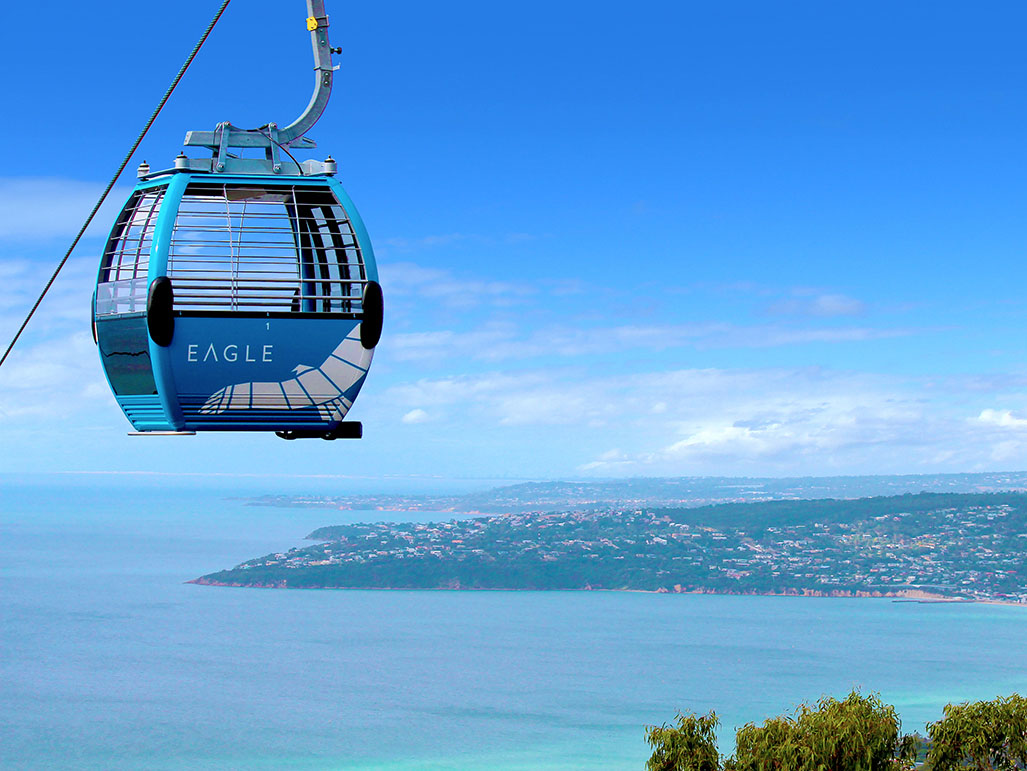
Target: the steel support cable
pixel 117 174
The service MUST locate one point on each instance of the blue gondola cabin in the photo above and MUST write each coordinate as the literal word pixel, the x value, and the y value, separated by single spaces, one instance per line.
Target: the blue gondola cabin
pixel 245 303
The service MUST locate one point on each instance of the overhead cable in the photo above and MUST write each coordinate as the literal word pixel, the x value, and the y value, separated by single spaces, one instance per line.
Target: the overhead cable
pixel 117 174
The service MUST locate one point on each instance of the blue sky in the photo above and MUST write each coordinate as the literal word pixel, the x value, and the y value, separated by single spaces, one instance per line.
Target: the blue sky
pixel 615 239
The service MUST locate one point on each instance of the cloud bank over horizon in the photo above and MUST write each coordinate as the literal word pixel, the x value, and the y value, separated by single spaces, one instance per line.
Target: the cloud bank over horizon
pixel 492 377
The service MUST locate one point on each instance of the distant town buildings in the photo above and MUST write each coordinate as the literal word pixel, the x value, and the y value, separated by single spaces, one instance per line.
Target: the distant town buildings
pixel 960 546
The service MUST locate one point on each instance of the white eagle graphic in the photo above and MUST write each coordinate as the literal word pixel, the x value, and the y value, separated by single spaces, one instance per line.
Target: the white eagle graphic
pixel 321 387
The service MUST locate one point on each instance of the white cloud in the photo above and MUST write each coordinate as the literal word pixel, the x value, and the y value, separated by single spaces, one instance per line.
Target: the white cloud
pixel 821 305
pixel 40 208
pixel 446 344
pixel 723 421
pixel 53 380
pixel 405 280
pixel 1002 418
pixel 415 416
pixel 609 462
pixel 837 305
pixel 505 340
pixel 424 241
pixel 567 396
pixel 688 421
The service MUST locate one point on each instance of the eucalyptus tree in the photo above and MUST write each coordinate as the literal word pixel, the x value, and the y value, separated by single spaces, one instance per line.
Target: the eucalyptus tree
pixel 857 733
pixel 983 735
pixel 690 745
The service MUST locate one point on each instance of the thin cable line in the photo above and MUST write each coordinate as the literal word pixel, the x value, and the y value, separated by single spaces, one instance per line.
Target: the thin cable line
pixel 121 168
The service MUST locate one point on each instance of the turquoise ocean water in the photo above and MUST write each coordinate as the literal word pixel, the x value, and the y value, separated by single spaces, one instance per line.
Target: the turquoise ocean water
pixel 109 660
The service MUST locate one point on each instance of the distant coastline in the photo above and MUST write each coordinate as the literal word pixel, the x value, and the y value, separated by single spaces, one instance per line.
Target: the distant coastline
pixel 913 596
pixel 927 547
pixel 593 494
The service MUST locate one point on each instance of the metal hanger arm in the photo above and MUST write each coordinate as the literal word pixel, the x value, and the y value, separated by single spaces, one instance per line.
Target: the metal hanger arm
pixel 317 23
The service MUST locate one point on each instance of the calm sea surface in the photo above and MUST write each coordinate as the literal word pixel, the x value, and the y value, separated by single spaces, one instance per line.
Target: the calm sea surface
pixel 109 660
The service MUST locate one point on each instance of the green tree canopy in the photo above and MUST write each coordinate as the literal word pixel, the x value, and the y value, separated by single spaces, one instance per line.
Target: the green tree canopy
pixel 691 745
pixel 983 735
pixel 857 733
